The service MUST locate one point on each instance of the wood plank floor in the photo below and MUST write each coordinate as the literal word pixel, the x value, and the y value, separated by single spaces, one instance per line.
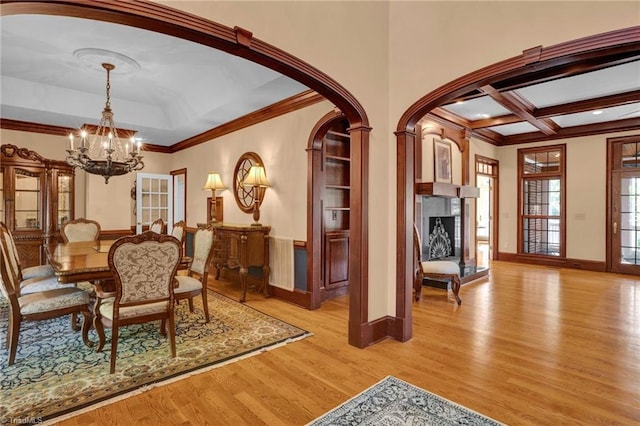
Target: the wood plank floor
pixel 530 345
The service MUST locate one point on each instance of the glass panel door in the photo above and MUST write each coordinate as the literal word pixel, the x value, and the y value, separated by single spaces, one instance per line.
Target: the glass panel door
pixel 623 228
pixel 154 199
pixel 28 200
pixel 64 199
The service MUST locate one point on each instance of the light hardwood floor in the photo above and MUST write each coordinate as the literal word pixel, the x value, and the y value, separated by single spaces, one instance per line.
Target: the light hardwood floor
pixel 530 345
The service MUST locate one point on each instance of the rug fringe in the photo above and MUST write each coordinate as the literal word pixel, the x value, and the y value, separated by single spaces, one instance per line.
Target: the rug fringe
pixel 146 388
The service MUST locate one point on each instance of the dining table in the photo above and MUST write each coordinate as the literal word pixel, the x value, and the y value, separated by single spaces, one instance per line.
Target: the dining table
pixel 80 260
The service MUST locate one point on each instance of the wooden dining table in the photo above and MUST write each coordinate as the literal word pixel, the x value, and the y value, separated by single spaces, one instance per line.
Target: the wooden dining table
pixel 80 260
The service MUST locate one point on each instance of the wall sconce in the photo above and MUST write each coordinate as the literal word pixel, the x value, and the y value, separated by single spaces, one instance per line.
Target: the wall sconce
pixel 213 183
pixel 256 178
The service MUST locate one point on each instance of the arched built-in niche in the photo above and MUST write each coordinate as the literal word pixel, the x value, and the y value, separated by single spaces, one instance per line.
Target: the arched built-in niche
pixel 557 60
pixel 240 42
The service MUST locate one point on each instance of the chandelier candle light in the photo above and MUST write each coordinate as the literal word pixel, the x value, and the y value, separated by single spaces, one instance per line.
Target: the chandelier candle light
pixel 102 152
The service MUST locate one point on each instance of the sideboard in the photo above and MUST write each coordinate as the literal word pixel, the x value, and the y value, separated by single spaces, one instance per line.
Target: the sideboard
pixel 242 246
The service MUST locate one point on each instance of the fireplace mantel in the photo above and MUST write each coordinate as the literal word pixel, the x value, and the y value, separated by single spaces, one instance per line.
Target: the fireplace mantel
pixel 447 190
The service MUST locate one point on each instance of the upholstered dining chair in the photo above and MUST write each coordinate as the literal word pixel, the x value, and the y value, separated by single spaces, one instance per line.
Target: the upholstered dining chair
pixel 37 305
pixel 436 269
pixel 179 230
pixel 190 286
pixel 80 230
pixel 24 285
pixel 29 271
pixel 158 226
pixel 144 267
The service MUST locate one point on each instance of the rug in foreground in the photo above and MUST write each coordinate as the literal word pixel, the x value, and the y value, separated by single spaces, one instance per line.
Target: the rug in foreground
pixel 56 374
pixel 395 402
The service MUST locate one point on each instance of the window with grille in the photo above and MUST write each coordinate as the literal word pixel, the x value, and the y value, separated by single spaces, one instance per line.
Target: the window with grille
pixel 541 214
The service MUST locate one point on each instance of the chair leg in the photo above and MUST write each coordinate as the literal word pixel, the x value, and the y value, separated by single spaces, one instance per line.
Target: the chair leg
pixel 86 324
pixel 172 335
pixel 114 348
pixel 12 338
pixel 163 327
pixel 97 324
pixel 74 322
pixel 205 304
pixel 417 285
pixel 455 287
pixel 191 304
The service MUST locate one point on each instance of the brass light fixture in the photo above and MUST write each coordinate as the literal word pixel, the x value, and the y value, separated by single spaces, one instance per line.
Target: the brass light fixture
pixel 256 178
pixel 102 152
pixel 214 183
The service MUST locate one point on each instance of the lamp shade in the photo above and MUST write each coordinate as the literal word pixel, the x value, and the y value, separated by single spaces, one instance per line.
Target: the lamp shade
pixel 214 182
pixel 256 177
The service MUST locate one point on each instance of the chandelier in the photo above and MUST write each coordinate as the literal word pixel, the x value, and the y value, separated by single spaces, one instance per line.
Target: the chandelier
pixel 102 152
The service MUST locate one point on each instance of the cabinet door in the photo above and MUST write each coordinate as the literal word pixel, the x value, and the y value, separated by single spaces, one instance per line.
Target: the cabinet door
pixel 28 200
pixel 64 201
pixel 336 261
pixel 233 249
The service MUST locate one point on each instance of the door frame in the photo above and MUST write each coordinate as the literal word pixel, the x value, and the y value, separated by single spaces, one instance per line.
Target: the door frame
pixel 611 215
pixel 493 202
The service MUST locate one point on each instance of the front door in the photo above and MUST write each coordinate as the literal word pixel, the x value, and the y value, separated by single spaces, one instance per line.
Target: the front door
pixel 154 199
pixel 623 226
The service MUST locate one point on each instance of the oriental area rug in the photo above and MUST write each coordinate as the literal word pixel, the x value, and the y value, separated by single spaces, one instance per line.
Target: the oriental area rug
pixel 55 374
pixel 395 402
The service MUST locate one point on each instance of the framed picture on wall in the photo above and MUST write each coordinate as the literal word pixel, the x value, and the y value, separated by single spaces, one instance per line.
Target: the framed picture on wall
pixel 442 161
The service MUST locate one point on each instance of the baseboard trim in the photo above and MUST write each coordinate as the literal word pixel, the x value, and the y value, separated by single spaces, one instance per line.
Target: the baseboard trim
pixel 586 265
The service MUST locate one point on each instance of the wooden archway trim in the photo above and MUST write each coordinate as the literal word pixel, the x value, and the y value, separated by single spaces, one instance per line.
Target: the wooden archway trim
pixel 240 42
pixel 534 59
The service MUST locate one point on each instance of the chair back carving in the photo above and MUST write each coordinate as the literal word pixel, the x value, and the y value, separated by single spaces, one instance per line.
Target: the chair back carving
pixel 417 245
pixel 157 226
pixel 80 230
pixel 179 230
pixel 144 268
pixel 202 250
pixel 10 271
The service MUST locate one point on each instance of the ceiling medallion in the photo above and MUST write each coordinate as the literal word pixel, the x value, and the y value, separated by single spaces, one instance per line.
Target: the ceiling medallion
pixel 94 58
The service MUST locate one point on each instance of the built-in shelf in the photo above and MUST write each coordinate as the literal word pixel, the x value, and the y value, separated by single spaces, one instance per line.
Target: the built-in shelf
pixel 336 158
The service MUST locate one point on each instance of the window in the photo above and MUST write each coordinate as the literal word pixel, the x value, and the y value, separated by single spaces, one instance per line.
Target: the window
pixel 541 173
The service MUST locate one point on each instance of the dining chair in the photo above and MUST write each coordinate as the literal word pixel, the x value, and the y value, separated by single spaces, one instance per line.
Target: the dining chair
pixel 29 271
pixel 37 305
pixel 180 232
pixel 39 282
pixel 158 226
pixel 80 230
pixel 190 286
pixel 144 267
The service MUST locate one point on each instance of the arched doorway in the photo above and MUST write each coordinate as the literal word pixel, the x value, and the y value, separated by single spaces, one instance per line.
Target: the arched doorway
pixel 555 61
pixel 240 42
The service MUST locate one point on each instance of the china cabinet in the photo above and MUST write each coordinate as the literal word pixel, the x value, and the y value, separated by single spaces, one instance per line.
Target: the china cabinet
pixel 36 197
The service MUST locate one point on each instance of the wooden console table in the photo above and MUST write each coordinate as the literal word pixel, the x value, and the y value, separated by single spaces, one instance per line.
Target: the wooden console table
pixel 242 246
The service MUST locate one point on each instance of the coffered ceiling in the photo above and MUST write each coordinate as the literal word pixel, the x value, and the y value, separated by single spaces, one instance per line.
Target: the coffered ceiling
pixel 590 95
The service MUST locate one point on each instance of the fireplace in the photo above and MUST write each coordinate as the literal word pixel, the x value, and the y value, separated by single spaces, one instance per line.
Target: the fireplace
pixel 442 218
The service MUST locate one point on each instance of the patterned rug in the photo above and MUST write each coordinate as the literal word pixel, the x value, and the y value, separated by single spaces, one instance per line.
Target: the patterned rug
pixel 56 374
pixel 395 402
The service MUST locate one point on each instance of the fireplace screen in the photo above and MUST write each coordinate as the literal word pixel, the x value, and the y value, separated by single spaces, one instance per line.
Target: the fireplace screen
pixel 441 237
